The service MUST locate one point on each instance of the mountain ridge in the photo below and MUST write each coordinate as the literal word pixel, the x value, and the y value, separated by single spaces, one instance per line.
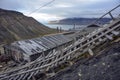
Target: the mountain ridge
pixel 16 26
pixel 78 21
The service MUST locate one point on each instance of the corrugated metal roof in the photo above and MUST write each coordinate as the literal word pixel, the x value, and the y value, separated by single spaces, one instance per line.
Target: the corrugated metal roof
pixel 37 45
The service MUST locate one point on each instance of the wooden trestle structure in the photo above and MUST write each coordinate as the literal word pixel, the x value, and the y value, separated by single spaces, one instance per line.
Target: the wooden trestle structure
pixel 86 44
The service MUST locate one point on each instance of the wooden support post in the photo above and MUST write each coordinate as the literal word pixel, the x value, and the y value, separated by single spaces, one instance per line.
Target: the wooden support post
pixel 43 54
pixel 111 15
pixel 47 69
pixel 93 43
pixel 90 52
pixel 81 50
pixel 100 40
pixel 115 32
pixel 70 63
pixel 109 37
pixel 33 78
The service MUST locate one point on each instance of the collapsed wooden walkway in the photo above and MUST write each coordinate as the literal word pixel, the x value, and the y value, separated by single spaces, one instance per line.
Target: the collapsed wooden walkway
pixel 86 44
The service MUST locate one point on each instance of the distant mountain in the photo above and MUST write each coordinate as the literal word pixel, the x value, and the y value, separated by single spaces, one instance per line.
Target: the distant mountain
pixel 15 26
pixel 79 21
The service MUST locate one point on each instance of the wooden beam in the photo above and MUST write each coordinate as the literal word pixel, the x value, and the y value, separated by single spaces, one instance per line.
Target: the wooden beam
pixel 90 52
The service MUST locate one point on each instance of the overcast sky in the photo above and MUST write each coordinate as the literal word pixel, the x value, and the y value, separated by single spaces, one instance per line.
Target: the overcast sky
pixel 60 8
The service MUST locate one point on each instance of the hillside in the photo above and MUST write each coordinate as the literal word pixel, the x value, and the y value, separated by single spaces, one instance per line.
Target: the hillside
pixel 106 66
pixel 15 26
pixel 78 21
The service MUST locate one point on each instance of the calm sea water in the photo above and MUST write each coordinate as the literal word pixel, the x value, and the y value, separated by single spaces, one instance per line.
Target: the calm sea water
pixel 65 27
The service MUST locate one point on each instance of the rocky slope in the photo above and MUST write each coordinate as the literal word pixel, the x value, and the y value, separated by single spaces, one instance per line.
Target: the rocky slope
pixel 15 26
pixel 106 66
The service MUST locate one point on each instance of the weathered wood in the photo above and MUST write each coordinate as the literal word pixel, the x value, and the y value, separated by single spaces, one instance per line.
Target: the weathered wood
pixel 58 57
pixel 90 52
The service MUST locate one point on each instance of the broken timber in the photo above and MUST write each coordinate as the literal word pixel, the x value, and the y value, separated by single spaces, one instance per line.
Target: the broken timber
pixel 29 70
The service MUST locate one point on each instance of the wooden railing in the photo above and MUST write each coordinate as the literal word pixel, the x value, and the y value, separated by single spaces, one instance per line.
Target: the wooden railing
pixel 86 44
pixel 108 13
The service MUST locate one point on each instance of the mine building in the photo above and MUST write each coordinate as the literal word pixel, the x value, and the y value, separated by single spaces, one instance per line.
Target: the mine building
pixel 31 49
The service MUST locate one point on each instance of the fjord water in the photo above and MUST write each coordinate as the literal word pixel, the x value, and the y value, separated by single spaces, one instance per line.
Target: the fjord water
pixel 65 26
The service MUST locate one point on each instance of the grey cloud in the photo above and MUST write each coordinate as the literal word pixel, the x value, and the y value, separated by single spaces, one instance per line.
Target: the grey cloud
pixel 10 4
pixel 77 8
